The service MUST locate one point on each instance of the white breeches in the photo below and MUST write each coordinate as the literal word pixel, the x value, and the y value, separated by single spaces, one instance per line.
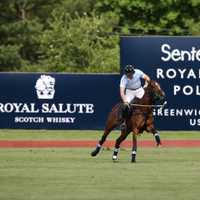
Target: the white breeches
pixel 131 94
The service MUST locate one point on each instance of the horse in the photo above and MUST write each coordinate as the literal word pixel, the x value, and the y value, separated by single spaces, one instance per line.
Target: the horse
pixel 137 120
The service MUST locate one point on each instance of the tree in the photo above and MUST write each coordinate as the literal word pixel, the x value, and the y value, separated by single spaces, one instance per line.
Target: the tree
pixel 21 22
pixel 10 58
pixel 83 35
pixel 81 7
pixel 80 43
pixel 171 17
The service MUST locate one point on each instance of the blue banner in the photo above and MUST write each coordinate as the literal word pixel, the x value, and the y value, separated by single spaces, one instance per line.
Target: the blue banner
pixel 175 63
pixel 56 101
pixel 83 101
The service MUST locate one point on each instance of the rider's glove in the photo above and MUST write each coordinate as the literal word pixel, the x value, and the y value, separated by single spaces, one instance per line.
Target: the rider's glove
pixel 127 104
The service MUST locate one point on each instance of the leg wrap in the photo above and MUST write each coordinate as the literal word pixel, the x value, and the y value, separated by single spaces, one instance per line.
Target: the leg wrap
pixel 157 138
pixel 115 153
pixel 133 154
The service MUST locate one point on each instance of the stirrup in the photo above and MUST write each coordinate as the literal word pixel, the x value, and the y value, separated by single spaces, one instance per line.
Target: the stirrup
pixel 123 126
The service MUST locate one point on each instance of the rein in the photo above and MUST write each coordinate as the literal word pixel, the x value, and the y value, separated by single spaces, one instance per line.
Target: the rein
pixel 149 106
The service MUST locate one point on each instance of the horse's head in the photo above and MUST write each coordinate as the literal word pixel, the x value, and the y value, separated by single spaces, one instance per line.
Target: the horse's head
pixel 156 91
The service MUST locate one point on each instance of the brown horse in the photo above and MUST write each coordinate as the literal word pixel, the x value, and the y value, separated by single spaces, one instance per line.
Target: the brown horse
pixel 139 119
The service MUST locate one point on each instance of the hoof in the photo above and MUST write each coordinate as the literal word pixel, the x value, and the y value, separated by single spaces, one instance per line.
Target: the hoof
pixel 133 160
pixel 159 145
pixel 95 152
pixel 114 158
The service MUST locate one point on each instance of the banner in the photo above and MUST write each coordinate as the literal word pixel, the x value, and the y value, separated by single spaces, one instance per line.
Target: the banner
pixel 175 63
pixel 56 101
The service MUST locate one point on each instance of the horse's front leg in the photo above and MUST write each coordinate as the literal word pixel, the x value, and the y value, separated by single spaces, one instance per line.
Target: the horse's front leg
pixel 120 139
pixel 138 124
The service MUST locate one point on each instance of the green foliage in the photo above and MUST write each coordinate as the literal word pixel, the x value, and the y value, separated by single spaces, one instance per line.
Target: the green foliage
pixel 10 58
pixel 83 35
pixel 80 43
pixel 171 17
pixel 81 7
pixel 22 21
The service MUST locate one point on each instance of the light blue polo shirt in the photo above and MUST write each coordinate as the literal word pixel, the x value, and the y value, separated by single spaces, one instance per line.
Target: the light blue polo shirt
pixel 133 83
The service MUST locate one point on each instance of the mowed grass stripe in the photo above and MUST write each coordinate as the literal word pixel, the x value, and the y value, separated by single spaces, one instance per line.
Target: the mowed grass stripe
pixel 71 174
pixel 86 134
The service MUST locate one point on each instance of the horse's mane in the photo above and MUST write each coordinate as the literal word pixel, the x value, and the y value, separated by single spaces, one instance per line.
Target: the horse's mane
pixel 149 86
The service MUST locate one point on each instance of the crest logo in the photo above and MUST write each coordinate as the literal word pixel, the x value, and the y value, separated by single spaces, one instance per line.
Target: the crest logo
pixel 45 87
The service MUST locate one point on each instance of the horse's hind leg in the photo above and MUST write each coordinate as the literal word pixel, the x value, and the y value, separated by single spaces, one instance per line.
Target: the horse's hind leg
pixel 157 137
pixel 111 123
pixel 156 134
pixel 151 128
pixel 107 130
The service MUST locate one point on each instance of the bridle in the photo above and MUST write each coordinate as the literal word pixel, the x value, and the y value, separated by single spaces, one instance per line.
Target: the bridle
pixel 154 96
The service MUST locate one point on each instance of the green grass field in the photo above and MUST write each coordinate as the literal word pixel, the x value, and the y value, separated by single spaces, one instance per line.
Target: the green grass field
pixel 71 174
pixel 87 134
